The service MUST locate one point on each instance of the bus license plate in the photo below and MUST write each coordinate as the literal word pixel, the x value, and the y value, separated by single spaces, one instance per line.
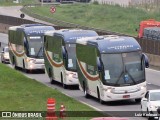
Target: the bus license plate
pixel 126 96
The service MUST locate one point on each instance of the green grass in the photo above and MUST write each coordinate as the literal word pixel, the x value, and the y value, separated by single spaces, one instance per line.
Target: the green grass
pixel 19 93
pixel 22 2
pixel 113 18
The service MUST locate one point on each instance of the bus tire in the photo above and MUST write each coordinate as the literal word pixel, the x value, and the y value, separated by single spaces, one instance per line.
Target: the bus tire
pixel 64 85
pixel 85 91
pixel 14 64
pixel 99 97
pixel 24 68
pixel 50 77
pixel 1 60
pixel 138 100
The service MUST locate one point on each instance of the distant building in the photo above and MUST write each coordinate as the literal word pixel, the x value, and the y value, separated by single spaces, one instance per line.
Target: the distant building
pixel 125 3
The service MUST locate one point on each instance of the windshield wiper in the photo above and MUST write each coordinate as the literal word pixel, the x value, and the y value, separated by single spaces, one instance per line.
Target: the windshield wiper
pixel 119 78
pixel 130 76
pixel 38 52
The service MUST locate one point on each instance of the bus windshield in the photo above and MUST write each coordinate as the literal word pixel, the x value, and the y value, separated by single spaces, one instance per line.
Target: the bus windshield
pixel 123 69
pixel 35 46
pixel 71 51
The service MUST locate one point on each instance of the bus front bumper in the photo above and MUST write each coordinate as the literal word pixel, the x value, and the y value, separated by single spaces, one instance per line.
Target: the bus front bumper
pixel 36 67
pixel 139 92
pixel 71 78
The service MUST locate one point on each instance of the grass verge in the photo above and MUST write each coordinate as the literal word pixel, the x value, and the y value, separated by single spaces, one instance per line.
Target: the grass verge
pixel 107 17
pixel 19 93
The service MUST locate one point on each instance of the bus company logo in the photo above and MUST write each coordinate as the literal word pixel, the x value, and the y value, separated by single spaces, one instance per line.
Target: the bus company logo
pixel 6 114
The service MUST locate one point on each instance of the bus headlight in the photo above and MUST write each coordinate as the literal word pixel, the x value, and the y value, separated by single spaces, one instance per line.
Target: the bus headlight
pixel 70 75
pixel 30 60
pixel 31 66
pixel 108 90
pixel 143 87
pixel 6 56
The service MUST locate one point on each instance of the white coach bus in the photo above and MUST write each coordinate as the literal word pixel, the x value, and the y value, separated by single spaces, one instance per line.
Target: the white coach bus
pixel 60 54
pixel 111 68
pixel 26 46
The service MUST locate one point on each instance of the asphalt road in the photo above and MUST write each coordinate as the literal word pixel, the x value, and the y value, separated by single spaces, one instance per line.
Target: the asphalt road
pixel 152 77
pixel 14 11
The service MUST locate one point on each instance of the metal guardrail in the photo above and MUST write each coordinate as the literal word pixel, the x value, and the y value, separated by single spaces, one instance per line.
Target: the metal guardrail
pixel 14 21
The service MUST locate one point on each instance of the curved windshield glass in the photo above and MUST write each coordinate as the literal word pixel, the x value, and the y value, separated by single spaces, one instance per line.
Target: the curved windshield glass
pixel 71 51
pixel 123 69
pixel 35 46
pixel 155 96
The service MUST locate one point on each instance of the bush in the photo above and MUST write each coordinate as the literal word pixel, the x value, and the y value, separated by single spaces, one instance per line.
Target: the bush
pixel 95 3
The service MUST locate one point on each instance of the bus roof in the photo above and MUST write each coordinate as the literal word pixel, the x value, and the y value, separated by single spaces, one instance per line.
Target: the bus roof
pixel 71 35
pixel 112 43
pixel 33 29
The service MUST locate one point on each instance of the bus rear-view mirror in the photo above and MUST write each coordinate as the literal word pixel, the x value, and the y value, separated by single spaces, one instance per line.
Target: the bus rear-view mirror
pixel 64 53
pixel 146 60
pixel 99 64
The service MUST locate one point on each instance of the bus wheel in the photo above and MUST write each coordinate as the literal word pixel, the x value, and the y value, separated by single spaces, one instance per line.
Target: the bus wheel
pixel 24 68
pixel 1 60
pixel 14 64
pixel 50 77
pixel 99 97
pixel 85 91
pixel 64 85
pixel 138 100
pixel 51 80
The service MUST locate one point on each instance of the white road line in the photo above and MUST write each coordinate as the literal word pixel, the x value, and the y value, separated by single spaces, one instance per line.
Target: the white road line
pixel 149 83
pixel 83 102
pixel 153 70
pixel 91 106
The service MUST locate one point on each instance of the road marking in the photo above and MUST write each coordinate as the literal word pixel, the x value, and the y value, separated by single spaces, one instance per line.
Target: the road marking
pixel 149 83
pixel 83 102
pixel 91 106
pixel 153 70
